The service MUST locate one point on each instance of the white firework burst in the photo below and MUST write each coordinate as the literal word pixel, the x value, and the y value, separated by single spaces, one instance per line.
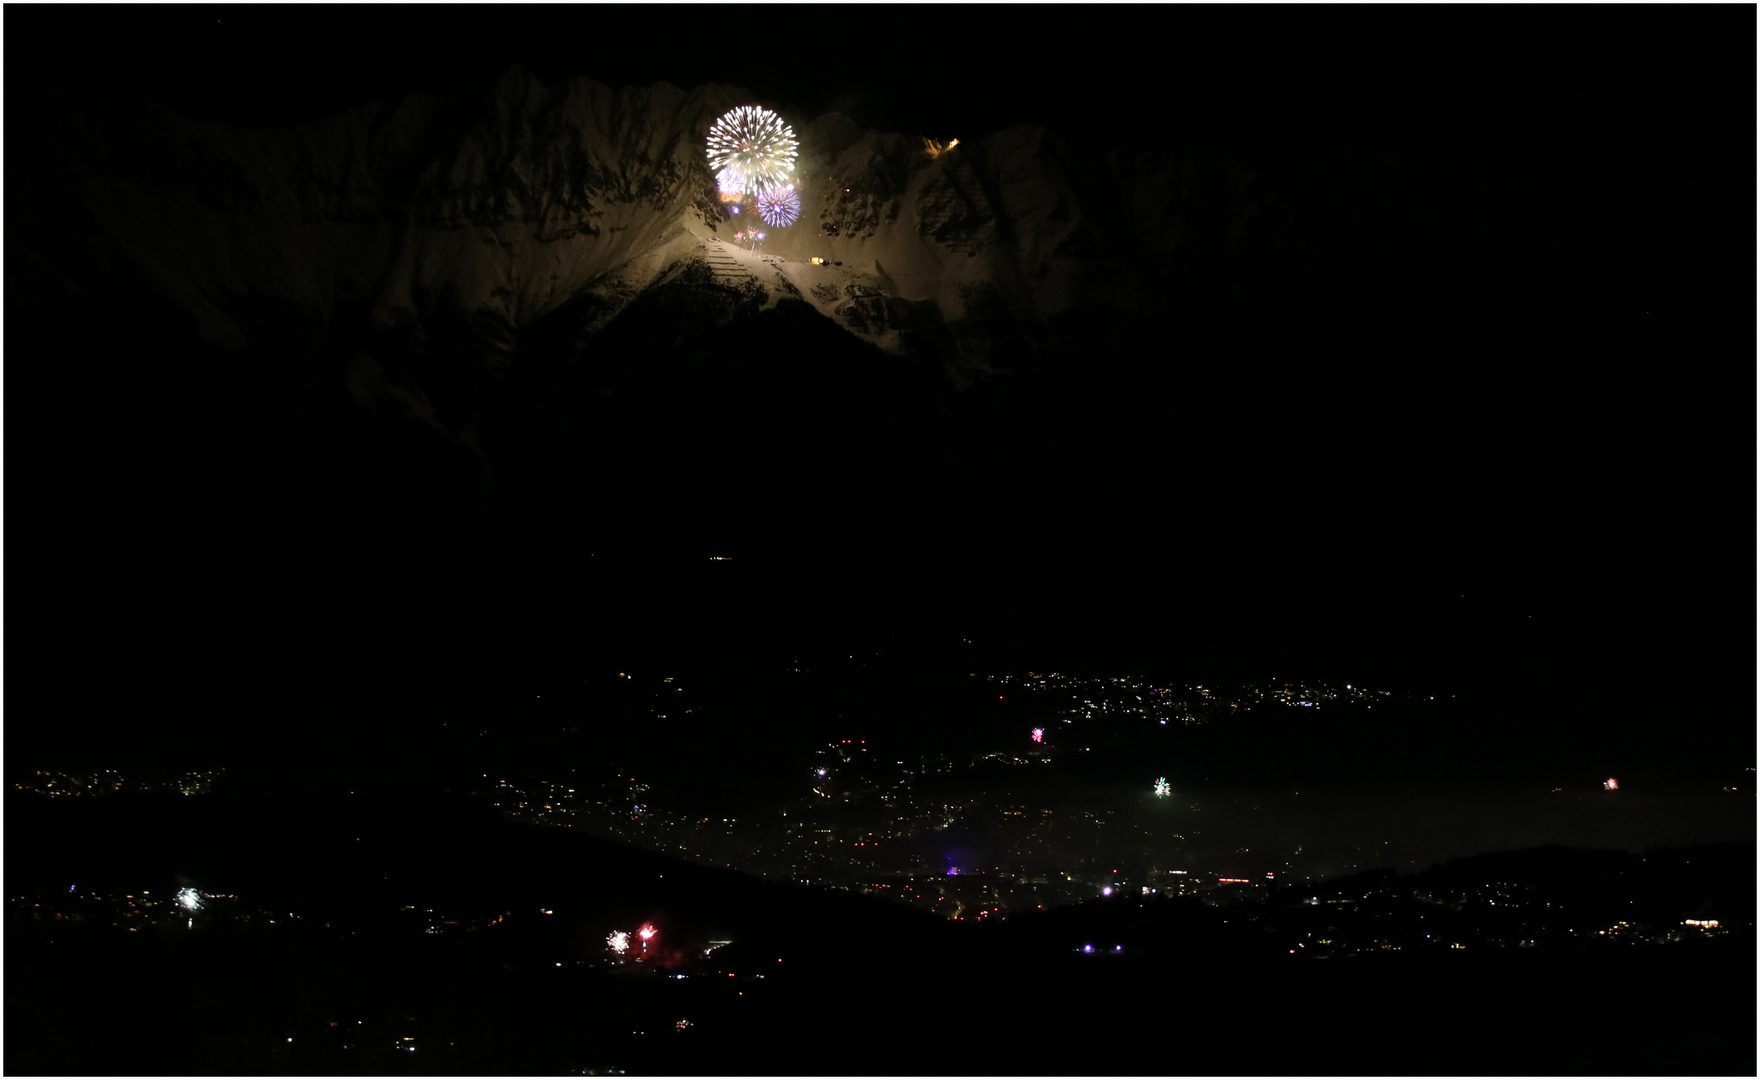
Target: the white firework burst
pixel 755 144
pixel 619 941
pixel 729 182
pixel 780 206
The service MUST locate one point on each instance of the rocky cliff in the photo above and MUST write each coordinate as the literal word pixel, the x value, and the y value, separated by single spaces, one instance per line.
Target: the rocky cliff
pixel 417 358
pixel 495 214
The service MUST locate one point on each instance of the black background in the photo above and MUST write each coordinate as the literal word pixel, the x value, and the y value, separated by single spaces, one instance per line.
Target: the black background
pixel 1497 443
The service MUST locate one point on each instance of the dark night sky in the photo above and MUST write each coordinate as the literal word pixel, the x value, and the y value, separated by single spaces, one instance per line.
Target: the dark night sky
pixel 1407 77
pixel 1535 360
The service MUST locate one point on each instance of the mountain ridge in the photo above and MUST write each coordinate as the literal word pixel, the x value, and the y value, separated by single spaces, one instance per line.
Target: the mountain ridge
pixel 515 205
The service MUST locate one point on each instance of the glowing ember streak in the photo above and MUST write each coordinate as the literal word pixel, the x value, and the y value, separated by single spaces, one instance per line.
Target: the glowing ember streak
pixel 1038 734
pixel 619 942
pixel 647 931
pixel 1162 789
pixel 754 143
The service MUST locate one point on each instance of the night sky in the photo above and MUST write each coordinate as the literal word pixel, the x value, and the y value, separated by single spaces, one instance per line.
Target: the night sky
pixel 1499 443
pixel 1326 645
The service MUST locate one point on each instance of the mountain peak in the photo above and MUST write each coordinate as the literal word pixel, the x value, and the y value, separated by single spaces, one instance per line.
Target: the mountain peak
pixel 581 196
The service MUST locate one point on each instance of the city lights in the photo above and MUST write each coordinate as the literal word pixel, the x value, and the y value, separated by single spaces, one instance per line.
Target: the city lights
pixel 1015 852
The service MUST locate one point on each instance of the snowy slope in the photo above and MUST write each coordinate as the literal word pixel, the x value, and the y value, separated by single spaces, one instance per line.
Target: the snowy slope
pixel 511 207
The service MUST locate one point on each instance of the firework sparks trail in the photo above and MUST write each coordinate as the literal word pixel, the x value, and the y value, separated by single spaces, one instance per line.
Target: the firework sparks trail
pixel 1162 789
pixel 755 144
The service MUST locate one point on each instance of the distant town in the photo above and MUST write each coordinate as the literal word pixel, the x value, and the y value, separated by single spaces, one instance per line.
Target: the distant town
pixel 969 838
pixel 667 935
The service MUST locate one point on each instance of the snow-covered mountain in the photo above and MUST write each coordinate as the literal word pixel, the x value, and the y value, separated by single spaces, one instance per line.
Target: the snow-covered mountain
pixel 534 297
pixel 579 197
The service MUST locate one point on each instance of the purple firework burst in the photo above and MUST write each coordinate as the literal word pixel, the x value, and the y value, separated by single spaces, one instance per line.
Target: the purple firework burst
pixel 780 207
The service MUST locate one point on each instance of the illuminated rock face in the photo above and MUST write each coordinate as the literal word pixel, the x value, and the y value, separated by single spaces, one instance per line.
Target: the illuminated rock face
pixel 498 213
pixel 403 307
pixel 417 264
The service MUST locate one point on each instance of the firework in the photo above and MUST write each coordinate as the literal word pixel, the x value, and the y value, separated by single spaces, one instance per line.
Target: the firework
pixel 619 941
pixel 647 931
pixel 1162 790
pixel 1038 734
pixel 781 206
pixel 189 898
pixel 730 183
pixel 755 144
